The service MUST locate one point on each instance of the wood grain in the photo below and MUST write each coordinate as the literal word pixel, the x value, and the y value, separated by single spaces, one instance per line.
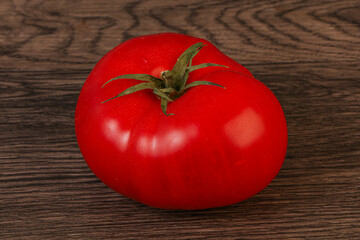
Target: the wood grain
pixel 306 52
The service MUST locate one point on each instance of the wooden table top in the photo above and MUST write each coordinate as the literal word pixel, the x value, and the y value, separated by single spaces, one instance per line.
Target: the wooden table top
pixel 306 52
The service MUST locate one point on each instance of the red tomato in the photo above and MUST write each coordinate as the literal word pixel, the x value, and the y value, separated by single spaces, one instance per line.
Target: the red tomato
pixel 220 147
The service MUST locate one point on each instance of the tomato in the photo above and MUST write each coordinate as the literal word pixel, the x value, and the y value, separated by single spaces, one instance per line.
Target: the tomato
pixel 225 141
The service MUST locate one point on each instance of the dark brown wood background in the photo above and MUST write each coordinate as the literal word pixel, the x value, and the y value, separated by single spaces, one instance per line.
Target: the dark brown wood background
pixel 306 52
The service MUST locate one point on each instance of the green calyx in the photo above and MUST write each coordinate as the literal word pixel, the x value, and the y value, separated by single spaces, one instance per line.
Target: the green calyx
pixel 171 84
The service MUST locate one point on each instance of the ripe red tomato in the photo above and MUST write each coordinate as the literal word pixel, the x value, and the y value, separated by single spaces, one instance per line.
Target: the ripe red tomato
pixel 220 147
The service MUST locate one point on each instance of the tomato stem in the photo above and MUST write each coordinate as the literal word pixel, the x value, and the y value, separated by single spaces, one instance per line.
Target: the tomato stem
pixel 171 84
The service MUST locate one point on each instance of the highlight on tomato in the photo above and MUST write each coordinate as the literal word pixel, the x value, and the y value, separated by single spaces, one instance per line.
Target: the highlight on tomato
pixel 169 121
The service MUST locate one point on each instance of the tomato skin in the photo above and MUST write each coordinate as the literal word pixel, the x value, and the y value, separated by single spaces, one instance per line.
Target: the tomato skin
pixel 222 145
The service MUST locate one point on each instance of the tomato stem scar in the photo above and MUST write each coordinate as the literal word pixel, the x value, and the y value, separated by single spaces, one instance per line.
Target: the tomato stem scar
pixel 172 84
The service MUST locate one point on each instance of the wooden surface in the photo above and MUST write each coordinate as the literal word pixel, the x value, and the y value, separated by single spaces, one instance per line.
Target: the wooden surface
pixel 306 52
